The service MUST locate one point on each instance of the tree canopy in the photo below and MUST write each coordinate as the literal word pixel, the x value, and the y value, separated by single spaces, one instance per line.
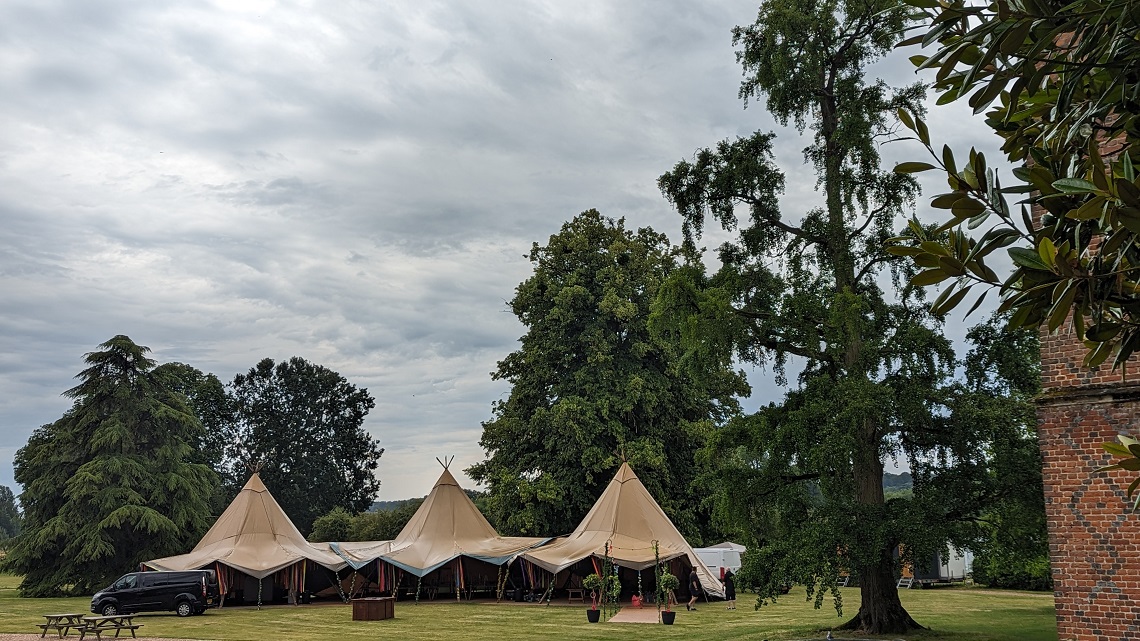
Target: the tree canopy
pixel 111 483
pixel 808 285
pixel 1061 85
pixel 374 525
pixel 304 425
pixel 592 383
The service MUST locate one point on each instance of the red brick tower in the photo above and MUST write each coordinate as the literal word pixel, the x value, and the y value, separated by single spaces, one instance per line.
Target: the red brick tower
pixel 1094 538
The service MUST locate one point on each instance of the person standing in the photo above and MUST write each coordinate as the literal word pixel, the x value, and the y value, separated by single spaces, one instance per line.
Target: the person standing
pixel 694 589
pixel 730 590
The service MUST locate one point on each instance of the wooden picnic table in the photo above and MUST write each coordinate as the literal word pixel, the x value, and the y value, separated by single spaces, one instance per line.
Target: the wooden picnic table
pixel 102 624
pixel 62 623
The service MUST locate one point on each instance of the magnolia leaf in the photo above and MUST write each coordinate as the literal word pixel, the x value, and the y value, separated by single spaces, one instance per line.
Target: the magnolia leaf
pixel 905 119
pixel 1047 251
pixel 1128 192
pixel 945 306
pixel 928 277
pixel 1101 332
pixel 946 201
pixel 1074 186
pixel 903 250
pixel 978 303
pixel 913 167
pixel 967 208
pixel 1027 258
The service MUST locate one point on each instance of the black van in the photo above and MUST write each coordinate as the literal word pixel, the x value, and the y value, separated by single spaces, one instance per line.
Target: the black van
pixel 186 593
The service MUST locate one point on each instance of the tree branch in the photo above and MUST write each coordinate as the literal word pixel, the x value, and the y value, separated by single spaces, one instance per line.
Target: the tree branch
pixel 798 232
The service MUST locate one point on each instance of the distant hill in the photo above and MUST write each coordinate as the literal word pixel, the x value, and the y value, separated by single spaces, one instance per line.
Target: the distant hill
pixel 897 481
pixel 388 506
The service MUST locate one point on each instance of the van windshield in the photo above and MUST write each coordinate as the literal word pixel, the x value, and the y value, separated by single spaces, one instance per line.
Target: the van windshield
pixel 126 582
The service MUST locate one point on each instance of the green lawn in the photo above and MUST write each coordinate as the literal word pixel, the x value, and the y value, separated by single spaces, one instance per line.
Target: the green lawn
pixel 953 614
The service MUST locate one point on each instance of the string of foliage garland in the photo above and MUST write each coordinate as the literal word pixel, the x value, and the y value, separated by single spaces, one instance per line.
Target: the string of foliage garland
pixel 657 576
pixel 502 583
pixel 607 572
pixel 549 590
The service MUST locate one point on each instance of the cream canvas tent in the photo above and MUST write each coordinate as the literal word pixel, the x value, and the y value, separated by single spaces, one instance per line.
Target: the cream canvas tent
pixel 447 526
pixel 629 520
pixel 447 545
pixel 253 537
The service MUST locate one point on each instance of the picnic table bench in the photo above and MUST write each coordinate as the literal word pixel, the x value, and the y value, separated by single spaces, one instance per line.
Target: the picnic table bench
pixel 100 625
pixel 61 623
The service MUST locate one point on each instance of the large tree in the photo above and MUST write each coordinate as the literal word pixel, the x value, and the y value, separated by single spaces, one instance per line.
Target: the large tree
pixel 303 424
pixel 112 482
pixel 591 384
pixel 807 285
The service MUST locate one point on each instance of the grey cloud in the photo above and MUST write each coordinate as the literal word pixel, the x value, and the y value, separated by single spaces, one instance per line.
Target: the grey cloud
pixel 355 185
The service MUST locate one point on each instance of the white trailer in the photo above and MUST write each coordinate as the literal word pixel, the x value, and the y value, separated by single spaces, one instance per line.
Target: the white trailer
pixel 721 557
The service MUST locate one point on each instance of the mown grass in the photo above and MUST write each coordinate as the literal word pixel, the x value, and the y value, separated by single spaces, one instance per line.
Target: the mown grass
pixel 953 614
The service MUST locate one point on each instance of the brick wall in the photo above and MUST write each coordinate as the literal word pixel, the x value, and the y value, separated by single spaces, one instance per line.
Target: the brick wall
pixel 1094 539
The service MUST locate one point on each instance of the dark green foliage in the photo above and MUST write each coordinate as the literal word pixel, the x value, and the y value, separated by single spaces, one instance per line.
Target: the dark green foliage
pixel 1061 79
pixel 9 515
pixel 801 482
pixel 999 569
pixel 333 526
pixel 995 407
pixel 380 525
pixel 591 383
pixel 207 398
pixel 303 423
pixel 383 526
pixel 112 482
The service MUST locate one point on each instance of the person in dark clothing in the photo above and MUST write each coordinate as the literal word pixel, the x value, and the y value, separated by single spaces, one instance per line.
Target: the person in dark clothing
pixel 694 589
pixel 730 590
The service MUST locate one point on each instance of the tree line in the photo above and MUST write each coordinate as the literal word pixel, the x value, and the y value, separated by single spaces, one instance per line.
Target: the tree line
pixel 149 455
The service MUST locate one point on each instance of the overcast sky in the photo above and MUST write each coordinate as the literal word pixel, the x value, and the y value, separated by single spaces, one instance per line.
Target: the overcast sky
pixel 354 183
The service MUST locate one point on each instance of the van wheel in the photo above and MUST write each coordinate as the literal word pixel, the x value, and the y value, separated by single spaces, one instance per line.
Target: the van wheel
pixel 109 610
pixel 184 609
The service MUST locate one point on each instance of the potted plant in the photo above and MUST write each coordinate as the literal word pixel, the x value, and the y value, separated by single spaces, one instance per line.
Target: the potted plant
pixel 593 583
pixel 666 583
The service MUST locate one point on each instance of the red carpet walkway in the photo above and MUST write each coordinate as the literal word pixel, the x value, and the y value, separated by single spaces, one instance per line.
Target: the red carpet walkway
pixel 635 615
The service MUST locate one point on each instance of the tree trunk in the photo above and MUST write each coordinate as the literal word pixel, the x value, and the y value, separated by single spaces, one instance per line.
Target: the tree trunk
pixel 880 610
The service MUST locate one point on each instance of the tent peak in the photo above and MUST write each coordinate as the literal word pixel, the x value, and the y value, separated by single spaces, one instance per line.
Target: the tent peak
pixel 254 484
pixel 625 473
pixel 446 479
pixel 446 462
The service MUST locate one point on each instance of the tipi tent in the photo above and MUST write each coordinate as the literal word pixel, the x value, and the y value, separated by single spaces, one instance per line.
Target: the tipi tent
pixel 629 520
pixel 447 526
pixel 448 539
pixel 253 537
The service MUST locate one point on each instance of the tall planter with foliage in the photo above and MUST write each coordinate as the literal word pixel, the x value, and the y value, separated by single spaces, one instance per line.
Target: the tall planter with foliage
pixel 666 583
